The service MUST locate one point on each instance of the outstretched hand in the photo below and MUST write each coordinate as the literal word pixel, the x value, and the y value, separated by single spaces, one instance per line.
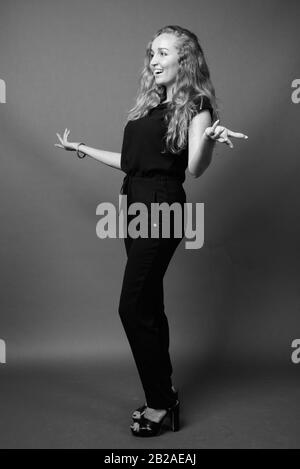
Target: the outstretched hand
pixel 220 134
pixel 71 146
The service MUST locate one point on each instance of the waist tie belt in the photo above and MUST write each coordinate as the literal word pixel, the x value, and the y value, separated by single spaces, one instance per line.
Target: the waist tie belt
pixel 158 177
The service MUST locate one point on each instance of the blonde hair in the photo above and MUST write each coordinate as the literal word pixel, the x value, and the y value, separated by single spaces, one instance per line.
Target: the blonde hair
pixel 191 84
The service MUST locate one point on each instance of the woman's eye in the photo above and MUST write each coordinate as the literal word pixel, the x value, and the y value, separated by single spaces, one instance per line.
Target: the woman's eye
pixel 161 53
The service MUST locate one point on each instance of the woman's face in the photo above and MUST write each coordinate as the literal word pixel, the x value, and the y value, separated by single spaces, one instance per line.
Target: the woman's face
pixel 164 59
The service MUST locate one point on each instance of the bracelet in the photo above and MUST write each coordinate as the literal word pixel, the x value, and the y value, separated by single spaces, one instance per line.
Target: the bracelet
pixel 78 152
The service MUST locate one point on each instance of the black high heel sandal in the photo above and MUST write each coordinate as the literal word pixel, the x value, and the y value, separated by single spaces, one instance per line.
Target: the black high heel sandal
pixel 137 414
pixel 145 427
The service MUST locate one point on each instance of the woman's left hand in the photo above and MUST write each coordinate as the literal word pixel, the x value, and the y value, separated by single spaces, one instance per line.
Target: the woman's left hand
pixel 220 134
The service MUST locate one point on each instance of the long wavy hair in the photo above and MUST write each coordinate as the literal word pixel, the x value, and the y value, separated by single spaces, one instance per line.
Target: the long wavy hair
pixel 191 84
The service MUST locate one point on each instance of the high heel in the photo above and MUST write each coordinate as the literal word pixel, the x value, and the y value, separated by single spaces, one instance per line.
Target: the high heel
pixel 145 427
pixel 137 414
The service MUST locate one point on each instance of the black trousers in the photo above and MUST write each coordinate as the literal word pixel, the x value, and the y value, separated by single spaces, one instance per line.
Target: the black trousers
pixel 141 305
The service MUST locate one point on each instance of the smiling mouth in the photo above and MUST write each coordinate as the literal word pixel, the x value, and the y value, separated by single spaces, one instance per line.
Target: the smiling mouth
pixel 156 73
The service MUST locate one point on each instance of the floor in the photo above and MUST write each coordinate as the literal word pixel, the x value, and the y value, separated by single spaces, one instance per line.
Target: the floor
pixel 87 404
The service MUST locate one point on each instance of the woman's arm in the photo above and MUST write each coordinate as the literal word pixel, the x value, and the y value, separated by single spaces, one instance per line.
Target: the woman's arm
pixel 107 157
pixel 200 146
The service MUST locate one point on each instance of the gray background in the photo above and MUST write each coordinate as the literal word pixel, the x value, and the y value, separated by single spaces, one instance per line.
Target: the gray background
pixel 235 302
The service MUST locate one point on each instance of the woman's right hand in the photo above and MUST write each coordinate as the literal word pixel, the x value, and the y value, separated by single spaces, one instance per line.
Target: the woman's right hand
pixel 70 146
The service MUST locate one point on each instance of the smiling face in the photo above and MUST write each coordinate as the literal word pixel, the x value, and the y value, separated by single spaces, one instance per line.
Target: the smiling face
pixel 164 59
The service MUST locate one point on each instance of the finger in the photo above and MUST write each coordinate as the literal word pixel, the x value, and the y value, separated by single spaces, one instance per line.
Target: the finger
pixel 218 131
pixel 58 145
pixel 65 133
pixel 229 142
pixel 215 124
pixel 59 137
pixel 222 133
pixel 209 133
pixel 237 134
pixel 225 140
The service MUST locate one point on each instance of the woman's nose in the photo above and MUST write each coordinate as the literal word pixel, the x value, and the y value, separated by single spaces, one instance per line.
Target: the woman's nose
pixel 153 61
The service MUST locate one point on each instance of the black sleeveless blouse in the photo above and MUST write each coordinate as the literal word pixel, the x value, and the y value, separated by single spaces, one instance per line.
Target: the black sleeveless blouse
pixel 143 144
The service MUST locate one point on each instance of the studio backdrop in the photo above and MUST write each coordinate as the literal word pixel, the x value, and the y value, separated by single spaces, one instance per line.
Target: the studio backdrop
pixel 73 64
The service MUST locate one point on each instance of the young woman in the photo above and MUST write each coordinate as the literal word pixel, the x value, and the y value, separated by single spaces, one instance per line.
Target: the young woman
pixel 169 129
